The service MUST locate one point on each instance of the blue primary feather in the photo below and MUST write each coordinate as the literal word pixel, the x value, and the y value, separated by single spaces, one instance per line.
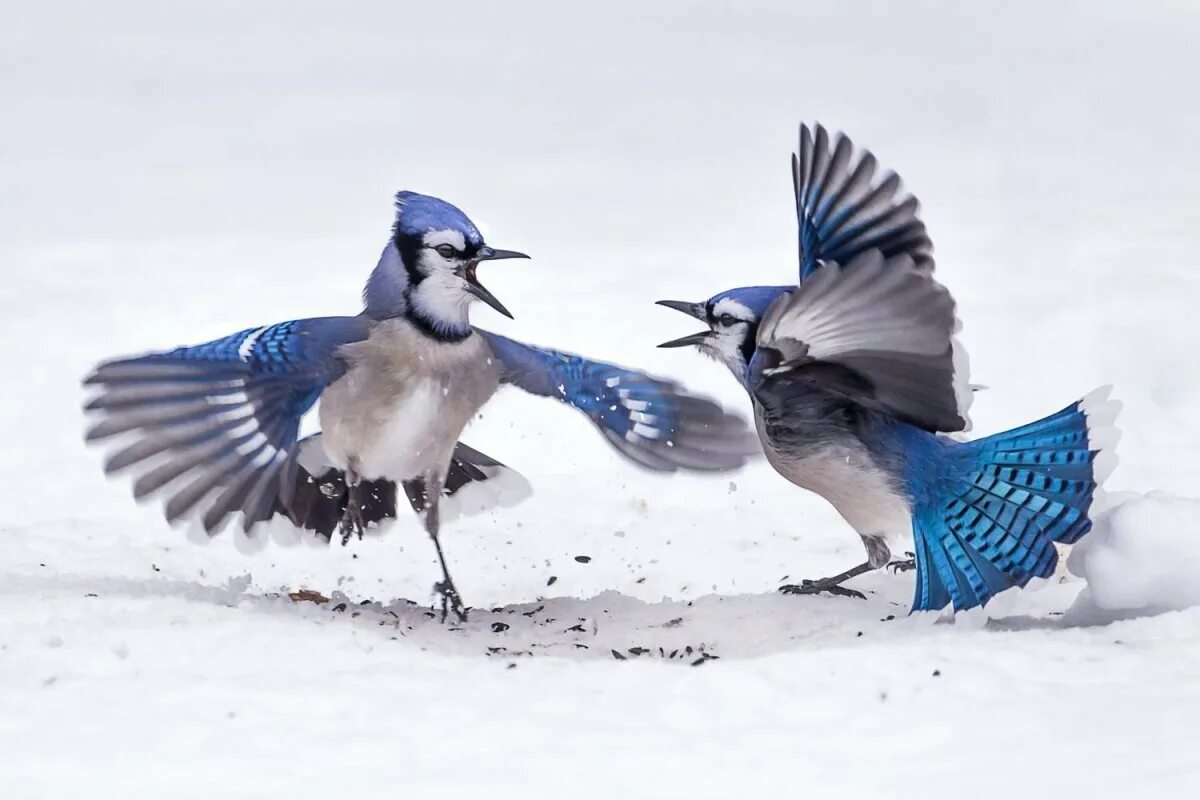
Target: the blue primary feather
pixel 219 418
pixel 647 419
pixel 844 209
pixel 990 520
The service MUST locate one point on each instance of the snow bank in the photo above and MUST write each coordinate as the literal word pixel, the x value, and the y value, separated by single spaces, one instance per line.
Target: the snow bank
pixel 1143 555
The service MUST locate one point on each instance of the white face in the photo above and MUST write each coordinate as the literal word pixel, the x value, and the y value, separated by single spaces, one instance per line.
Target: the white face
pixel 443 294
pixel 441 251
pixel 730 322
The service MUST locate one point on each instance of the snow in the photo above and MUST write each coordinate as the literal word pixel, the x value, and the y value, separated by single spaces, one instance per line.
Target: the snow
pixel 177 173
pixel 1141 556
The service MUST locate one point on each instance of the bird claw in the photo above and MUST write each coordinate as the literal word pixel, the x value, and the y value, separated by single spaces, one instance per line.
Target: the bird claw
pixel 819 587
pixel 451 601
pixel 903 564
pixel 352 523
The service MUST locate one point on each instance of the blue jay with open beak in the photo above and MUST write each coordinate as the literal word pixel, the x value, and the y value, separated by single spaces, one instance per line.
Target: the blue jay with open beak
pixel 213 428
pixel 856 379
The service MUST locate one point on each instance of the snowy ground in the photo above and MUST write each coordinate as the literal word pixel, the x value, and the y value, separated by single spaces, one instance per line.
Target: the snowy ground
pixel 173 175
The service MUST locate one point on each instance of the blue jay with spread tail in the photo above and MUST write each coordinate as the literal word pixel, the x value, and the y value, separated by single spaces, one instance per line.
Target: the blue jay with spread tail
pixel 856 379
pixel 213 427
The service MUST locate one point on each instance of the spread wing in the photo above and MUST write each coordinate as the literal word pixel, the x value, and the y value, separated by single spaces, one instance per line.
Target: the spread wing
pixel 651 421
pixel 211 427
pixel 877 332
pixel 845 208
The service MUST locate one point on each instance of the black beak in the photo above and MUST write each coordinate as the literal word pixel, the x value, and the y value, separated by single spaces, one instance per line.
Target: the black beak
pixel 491 254
pixel 476 288
pixel 696 310
pixel 691 309
pixel 692 338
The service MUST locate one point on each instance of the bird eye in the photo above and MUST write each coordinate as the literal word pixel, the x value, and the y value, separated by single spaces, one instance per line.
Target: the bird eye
pixel 727 320
pixel 446 250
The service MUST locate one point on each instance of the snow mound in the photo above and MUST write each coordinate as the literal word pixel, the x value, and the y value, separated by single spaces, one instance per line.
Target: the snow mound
pixel 1143 555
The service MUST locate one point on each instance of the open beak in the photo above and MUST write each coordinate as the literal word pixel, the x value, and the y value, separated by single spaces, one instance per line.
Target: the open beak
pixel 684 341
pixel 476 288
pixel 695 310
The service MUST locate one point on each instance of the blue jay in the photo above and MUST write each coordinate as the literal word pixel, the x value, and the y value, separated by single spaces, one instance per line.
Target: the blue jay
pixel 856 379
pixel 213 427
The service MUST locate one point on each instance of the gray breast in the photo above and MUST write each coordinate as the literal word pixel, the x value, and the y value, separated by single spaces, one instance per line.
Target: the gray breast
pixel 404 401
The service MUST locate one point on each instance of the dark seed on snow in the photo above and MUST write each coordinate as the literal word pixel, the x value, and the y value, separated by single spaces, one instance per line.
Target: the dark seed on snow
pixel 553 578
pixel 618 656
pixel 340 607
pixel 499 627
pixel 583 559
pixel 937 672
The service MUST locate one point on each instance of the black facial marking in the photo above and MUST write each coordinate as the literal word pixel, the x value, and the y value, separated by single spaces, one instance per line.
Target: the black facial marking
pixel 750 343
pixel 410 248
pixel 429 329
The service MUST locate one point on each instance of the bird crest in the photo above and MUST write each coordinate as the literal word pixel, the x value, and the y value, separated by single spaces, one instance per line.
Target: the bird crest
pixel 420 214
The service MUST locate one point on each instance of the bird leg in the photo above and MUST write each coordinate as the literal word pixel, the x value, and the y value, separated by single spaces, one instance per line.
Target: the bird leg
pixel 877 556
pixel 903 564
pixel 352 517
pixel 451 599
pixel 830 584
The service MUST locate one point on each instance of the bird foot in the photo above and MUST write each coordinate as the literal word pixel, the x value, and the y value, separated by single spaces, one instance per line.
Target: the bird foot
pixel 451 600
pixel 819 587
pixel 903 564
pixel 352 522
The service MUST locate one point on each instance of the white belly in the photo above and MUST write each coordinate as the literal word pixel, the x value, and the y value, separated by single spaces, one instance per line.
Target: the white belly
pixel 403 444
pixel 859 491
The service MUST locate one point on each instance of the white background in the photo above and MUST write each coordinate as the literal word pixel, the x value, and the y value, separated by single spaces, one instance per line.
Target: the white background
pixel 170 173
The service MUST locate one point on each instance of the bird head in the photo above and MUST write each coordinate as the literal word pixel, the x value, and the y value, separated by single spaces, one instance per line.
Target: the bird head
pixel 732 319
pixel 438 249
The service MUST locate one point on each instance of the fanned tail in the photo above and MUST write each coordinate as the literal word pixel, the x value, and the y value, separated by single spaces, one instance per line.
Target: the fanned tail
pixel 1006 499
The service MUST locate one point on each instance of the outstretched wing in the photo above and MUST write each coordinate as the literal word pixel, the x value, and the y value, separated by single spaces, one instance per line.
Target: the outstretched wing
pixel 877 332
pixel 844 208
pixel 651 421
pixel 212 426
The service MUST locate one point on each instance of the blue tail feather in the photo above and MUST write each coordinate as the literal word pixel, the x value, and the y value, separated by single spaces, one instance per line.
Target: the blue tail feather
pixel 1002 502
